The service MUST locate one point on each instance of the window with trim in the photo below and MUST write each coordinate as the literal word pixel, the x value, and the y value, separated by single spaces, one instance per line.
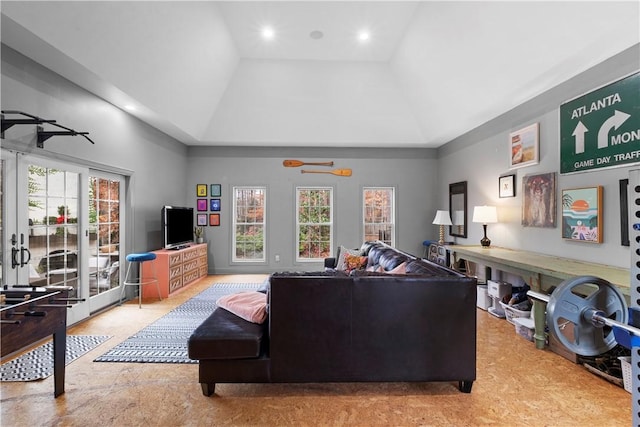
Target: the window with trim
pixel 314 223
pixel 249 207
pixel 378 214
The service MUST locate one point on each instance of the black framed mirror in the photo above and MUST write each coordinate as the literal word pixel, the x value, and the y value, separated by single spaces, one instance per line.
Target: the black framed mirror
pixel 458 208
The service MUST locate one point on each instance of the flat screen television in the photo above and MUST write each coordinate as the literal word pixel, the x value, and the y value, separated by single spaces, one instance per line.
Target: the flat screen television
pixel 177 226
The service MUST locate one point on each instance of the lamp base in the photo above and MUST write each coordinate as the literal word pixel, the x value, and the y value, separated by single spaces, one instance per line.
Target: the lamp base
pixel 485 242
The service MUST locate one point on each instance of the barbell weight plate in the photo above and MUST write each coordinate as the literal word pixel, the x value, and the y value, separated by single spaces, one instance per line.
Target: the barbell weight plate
pixel 566 314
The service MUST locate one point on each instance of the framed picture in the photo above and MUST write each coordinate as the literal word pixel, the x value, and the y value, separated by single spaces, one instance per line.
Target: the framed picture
pixel 201 205
pixel 524 147
pixel 624 212
pixel 582 214
pixel 215 190
pixel 539 200
pixel 214 205
pixel 214 220
pixel 201 219
pixel 507 186
pixel 201 190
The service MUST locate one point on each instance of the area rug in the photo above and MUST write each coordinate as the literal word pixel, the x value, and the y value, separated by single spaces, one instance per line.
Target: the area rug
pixel 37 364
pixel 165 340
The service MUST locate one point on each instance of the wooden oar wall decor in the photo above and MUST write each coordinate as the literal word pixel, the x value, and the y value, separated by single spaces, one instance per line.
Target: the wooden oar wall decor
pixel 297 163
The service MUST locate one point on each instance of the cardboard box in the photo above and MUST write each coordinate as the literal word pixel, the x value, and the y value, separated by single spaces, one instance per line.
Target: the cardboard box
pixel 558 348
pixel 483 300
pixel 498 289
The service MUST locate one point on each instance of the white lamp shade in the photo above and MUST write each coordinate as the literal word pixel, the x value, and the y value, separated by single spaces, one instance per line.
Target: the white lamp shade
pixel 442 218
pixel 485 214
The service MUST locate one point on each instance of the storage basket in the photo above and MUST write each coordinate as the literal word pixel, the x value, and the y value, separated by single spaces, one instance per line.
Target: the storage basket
pixel 511 312
pixel 625 364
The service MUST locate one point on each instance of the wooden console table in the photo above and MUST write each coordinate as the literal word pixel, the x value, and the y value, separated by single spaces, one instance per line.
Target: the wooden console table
pixel 541 272
pixel 175 269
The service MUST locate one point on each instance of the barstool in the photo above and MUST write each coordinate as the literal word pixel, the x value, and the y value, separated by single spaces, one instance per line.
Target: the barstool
pixel 139 281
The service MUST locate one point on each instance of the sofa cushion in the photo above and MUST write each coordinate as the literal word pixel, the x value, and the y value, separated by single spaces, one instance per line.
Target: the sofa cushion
pixel 251 306
pixel 343 252
pixel 223 335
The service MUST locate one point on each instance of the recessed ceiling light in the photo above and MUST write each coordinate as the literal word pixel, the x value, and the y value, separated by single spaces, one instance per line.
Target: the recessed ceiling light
pixel 316 35
pixel 364 36
pixel 268 33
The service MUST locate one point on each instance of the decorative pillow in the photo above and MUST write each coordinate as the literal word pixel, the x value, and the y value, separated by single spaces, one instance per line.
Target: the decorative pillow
pixel 343 253
pixel 251 306
pixel 355 262
pixel 400 269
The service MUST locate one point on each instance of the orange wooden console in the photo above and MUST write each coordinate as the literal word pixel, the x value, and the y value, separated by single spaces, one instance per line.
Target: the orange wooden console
pixel 175 269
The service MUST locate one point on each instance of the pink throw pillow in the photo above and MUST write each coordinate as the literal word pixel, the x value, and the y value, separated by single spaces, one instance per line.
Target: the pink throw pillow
pixel 251 306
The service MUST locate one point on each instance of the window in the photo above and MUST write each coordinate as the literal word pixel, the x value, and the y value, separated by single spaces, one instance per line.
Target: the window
pixel 249 224
pixel 314 223
pixel 379 217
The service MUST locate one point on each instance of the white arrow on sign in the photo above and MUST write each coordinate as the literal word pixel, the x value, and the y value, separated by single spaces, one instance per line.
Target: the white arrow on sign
pixel 616 121
pixel 578 133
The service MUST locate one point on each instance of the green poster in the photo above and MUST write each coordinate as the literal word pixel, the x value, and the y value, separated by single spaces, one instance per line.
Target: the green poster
pixel 601 129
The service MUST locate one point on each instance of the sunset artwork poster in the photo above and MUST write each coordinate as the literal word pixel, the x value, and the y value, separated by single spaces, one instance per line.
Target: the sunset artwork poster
pixel 582 214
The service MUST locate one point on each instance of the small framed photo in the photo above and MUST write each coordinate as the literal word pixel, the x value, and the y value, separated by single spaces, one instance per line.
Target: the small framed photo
pixel 506 186
pixel 201 190
pixel 582 214
pixel 523 147
pixel 202 205
pixel 214 220
pixel 214 205
pixel 215 190
pixel 201 219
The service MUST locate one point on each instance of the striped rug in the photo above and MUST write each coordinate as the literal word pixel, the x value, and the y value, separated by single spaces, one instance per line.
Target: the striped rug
pixel 165 340
pixel 37 364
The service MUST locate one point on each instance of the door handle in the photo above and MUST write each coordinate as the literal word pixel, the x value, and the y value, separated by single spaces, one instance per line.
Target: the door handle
pixel 14 257
pixel 22 252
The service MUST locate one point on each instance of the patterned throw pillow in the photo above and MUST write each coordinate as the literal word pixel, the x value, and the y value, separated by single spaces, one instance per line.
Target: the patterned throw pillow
pixel 355 262
pixel 343 253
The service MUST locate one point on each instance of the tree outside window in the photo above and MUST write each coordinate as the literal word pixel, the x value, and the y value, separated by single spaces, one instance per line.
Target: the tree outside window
pixel 314 223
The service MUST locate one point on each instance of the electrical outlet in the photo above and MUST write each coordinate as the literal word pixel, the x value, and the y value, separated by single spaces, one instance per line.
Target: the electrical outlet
pixel 277 258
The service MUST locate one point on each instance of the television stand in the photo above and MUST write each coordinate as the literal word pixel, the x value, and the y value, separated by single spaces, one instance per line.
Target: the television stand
pixel 175 269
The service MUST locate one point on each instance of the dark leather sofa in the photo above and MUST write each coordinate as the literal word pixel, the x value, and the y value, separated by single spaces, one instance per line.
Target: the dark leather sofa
pixel 357 327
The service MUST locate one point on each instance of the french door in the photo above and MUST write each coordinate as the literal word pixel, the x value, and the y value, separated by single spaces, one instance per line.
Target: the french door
pixel 61 227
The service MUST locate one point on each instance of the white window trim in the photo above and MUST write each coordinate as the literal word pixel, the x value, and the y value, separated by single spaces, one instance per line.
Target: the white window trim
pixel 393 211
pixel 235 260
pixel 330 223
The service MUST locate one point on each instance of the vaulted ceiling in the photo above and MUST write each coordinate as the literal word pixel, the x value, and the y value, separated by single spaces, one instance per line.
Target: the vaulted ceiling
pixel 429 71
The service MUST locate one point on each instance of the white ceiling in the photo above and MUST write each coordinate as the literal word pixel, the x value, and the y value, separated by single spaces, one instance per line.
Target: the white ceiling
pixel 431 70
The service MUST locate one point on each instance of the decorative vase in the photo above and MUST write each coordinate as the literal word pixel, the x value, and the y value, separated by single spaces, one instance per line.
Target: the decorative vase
pixel 200 240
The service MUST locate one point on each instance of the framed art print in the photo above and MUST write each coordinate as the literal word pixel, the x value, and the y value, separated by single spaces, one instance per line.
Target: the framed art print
pixel 202 205
pixel 523 147
pixel 201 219
pixel 582 214
pixel 215 190
pixel 214 220
pixel 214 205
pixel 539 195
pixel 507 186
pixel 201 190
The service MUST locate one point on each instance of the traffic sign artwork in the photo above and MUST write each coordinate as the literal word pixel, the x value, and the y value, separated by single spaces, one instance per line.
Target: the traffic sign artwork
pixel 601 129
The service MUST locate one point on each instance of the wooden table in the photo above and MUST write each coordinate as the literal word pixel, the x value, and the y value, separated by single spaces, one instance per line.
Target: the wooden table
pixel 541 272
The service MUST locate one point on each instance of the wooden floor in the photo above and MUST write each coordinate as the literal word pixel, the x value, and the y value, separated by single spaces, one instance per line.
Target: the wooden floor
pixel 516 385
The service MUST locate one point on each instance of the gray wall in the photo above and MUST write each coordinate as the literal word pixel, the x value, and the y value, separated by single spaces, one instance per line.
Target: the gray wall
pixel 156 163
pixel 481 156
pixel 410 171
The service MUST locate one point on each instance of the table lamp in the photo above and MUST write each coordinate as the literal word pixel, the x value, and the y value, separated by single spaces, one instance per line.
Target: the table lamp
pixel 485 215
pixel 442 218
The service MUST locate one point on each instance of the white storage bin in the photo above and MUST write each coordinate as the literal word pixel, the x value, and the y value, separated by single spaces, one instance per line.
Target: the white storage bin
pixel 499 289
pixel 525 327
pixel 483 299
